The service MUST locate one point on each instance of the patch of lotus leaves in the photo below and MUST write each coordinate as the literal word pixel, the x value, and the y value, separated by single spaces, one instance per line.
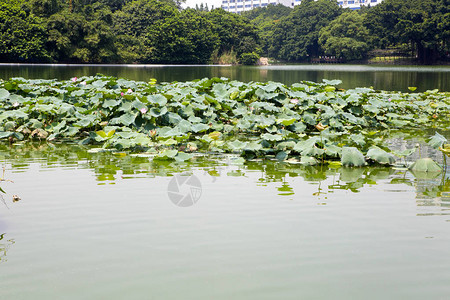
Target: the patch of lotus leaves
pixel 217 114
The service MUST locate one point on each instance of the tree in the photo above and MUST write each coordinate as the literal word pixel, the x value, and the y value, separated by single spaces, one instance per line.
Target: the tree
pixel 132 25
pixel 345 37
pixel 295 37
pixel 82 36
pixel 265 19
pixel 22 34
pixel 185 38
pixel 234 31
pixel 422 23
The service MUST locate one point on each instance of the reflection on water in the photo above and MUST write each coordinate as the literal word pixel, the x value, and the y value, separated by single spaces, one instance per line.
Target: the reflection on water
pixel 5 244
pixel 110 167
pixel 391 78
pixel 94 225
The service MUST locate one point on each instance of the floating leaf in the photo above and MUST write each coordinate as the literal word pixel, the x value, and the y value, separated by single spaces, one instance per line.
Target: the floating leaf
pixel 236 145
pixel 308 161
pixel 167 154
pixel 157 99
pixel 182 156
pixel 199 127
pixel 282 155
pixel 271 137
pixel 404 153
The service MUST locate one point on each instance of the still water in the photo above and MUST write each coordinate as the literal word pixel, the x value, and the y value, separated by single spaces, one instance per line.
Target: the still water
pixel 104 226
pixel 391 78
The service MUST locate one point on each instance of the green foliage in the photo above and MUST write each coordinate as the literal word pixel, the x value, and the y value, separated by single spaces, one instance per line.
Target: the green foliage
pixel 265 20
pixel 159 31
pixel 22 34
pixel 249 58
pixel 296 37
pixel 312 122
pixel 186 38
pixel 346 37
pixel 425 165
pixel 235 32
pixel 84 36
pixel 424 23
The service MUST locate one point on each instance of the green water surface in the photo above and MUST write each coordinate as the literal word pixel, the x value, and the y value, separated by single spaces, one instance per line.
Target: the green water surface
pixel 390 78
pixel 102 225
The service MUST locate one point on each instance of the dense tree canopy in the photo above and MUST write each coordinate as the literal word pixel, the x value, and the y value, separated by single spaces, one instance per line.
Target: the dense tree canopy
pixel 345 37
pixel 424 23
pixel 160 31
pixel 265 20
pixel 234 31
pixel 296 37
pixel 22 34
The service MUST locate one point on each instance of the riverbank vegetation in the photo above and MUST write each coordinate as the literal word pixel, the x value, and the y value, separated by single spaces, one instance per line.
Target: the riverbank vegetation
pixel 309 123
pixel 160 31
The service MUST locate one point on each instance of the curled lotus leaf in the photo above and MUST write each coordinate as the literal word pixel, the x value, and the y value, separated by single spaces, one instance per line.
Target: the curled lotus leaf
pixel 352 157
pixel 380 156
pixel 425 165
pixel 437 140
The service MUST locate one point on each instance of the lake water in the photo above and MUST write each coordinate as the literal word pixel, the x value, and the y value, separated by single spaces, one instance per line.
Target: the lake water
pixel 104 226
pixel 392 78
pixel 121 226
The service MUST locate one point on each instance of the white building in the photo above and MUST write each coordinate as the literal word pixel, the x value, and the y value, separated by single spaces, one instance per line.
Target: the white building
pixel 238 6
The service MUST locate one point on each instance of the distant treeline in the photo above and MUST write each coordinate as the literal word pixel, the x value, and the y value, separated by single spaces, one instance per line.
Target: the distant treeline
pixel 160 31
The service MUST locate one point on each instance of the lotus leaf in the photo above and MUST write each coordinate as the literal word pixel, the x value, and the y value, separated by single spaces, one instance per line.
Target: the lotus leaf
pixel 380 156
pixel 199 127
pixel 308 161
pixel 256 119
pixel 282 155
pixel 437 140
pixel 236 145
pixel 425 165
pixel 352 157
pixel 271 137
pixel 156 112
pixel 3 94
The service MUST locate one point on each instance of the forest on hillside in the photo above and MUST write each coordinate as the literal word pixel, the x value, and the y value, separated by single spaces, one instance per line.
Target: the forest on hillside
pixel 161 31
